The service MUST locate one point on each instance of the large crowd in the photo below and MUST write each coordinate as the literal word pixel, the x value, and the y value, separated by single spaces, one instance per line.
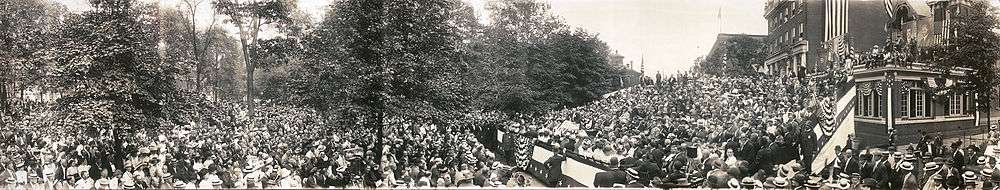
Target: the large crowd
pixel 705 131
pixel 687 131
pixel 759 120
pixel 425 155
pixel 274 152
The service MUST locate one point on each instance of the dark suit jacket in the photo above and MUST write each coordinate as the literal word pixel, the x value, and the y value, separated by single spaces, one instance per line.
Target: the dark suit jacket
pixel 609 178
pixel 555 169
pixel 882 174
pixel 958 159
pixel 852 166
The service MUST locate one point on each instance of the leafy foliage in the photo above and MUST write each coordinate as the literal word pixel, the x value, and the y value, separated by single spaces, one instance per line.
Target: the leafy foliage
pixel 27 32
pixel 974 45
pixel 111 67
pixel 249 17
pixel 534 62
pixel 736 58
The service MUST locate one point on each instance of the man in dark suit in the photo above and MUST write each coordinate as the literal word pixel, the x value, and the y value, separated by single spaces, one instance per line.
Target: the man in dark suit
pixel 611 177
pixel 554 164
pixel 881 171
pixel 507 145
pixel 958 157
pixel 807 146
pixel 851 164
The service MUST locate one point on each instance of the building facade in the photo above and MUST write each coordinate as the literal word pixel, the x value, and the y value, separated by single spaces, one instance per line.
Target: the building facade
pixel 897 103
pixel 800 32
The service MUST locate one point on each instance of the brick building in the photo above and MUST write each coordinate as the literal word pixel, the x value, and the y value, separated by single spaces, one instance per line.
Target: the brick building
pixel 798 30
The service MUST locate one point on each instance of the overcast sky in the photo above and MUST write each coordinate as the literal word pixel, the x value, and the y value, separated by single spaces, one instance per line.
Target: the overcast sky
pixel 670 34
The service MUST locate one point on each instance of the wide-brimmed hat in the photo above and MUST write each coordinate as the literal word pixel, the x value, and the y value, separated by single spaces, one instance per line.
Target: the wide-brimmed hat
pixel 931 166
pixel 780 182
pixel 910 157
pixel 840 184
pixel 897 155
pixel 733 183
pixel 982 160
pixel 248 168
pixel 784 170
pixel 969 176
pixel 748 182
pixel 632 172
pixel 908 166
pixel 843 175
pixel 986 172
pixel 179 184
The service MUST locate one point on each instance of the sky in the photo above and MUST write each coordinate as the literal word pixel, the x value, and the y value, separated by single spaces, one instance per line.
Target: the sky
pixel 667 34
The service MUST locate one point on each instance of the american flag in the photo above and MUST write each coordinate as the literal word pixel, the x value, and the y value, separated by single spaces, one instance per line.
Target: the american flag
pixel 888 7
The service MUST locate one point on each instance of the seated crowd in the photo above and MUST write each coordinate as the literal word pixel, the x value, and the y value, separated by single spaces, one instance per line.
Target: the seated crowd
pixel 272 155
pixel 717 132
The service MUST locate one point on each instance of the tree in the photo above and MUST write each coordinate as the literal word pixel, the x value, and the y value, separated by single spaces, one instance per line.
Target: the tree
pixel 735 58
pixel 176 45
pixel 109 62
pixel 250 17
pixel 224 64
pixel 973 45
pixel 197 49
pixel 742 52
pixel 533 62
pixel 27 31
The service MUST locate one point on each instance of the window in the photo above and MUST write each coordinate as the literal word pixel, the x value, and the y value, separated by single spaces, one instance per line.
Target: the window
pixel 904 102
pixel 802 29
pixel 864 105
pixel 956 104
pixel 919 99
pixel 915 104
pixel 868 104
pixel 876 112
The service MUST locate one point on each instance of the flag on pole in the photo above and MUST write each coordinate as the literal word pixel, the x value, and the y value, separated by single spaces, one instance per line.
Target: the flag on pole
pixel 888 7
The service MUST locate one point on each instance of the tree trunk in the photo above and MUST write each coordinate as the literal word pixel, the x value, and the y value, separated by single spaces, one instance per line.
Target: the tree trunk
pixel 249 76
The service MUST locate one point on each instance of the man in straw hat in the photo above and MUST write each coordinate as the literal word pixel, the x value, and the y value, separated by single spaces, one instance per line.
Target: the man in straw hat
pixel 932 170
pixel 908 177
pixel 971 180
pixel 780 183
pixel 987 178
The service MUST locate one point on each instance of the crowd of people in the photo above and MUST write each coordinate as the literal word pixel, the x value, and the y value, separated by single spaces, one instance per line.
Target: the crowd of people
pixel 279 150
pixel 758 120
pixel 425 155
pixel 717 132
pixel 688 131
